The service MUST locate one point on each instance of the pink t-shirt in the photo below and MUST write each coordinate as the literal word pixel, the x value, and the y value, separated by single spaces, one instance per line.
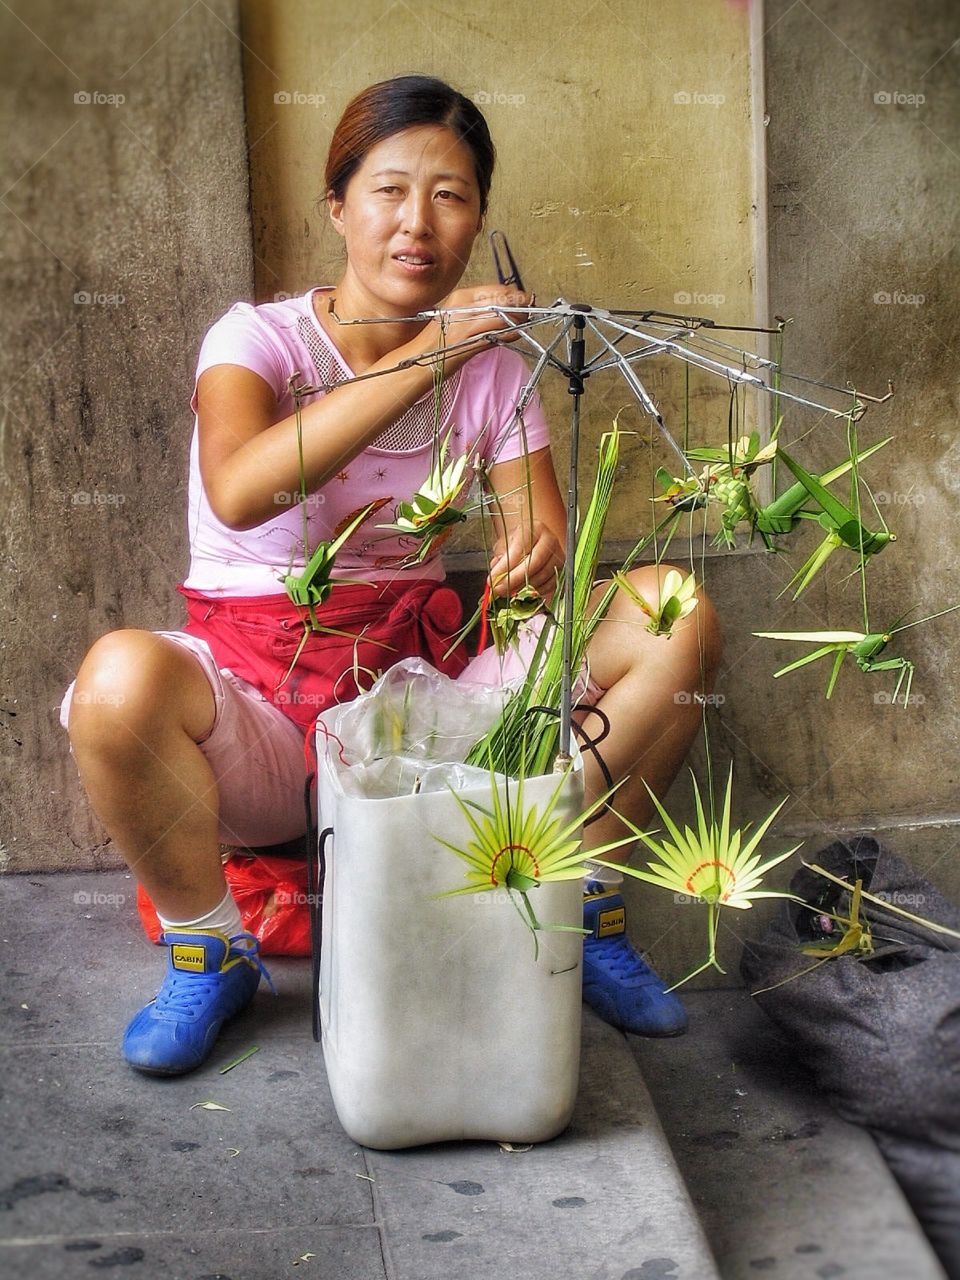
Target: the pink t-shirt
pixel 279 339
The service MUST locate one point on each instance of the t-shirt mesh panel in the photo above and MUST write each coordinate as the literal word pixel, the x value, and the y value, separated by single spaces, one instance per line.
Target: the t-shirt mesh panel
pixel 414 429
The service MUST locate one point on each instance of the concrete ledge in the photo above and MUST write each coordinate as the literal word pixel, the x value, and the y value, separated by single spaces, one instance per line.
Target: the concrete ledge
pixel 783 1186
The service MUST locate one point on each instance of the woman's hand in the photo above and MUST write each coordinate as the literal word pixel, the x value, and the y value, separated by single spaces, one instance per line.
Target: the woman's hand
pixel 462 328
pixel 527 555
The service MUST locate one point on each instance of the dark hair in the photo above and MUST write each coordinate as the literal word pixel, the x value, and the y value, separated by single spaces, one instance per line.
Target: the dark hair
pixel 391 106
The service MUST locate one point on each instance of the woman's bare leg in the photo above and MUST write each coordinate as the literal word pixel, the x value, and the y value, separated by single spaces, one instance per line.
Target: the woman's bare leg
pixel 652 685
pixel 140 706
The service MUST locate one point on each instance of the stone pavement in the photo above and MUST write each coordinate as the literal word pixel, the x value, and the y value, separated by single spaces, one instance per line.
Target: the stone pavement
pixel 109 1172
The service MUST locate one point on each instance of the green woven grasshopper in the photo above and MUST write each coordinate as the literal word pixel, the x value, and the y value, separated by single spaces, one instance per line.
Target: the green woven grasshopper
pixel 311 588
pixel 727 482
pixel 842 523
pixel 864 647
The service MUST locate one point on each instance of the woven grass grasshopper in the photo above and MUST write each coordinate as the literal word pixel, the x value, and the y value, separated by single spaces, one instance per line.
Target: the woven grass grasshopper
pixel 726 480
pixel 842 523
pixel 864 647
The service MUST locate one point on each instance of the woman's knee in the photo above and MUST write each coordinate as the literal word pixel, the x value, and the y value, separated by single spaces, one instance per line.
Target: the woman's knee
pixel 699 635
pixel 139 680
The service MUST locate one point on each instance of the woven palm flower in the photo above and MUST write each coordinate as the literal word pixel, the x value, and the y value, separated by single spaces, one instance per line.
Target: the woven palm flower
pixel 518 848
pixel 713 864
pixel 430 512
pixel 677 598
pixel 508 615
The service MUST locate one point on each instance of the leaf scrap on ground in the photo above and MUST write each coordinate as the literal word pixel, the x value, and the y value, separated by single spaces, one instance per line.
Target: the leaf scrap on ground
pixel 365 1176
pixel 511 1147
pixel 243 1057
pixel 209 1106
pixel 303 1258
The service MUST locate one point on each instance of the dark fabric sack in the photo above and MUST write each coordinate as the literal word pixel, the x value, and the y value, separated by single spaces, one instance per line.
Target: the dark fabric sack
pixel 880 1031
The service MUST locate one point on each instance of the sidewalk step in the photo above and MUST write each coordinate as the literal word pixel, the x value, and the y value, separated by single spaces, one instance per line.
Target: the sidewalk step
pixel 784 1187
pixel 605 1200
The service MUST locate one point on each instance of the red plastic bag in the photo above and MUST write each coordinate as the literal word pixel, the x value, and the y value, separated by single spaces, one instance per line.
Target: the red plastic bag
pixel 273 899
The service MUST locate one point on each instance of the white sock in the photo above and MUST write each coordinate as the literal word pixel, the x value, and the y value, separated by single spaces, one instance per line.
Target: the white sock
pixel 603 875
pixel 225 918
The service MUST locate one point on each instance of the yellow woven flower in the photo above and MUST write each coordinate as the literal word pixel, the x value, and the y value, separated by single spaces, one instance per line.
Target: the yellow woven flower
pixel 517 848
pixel 713 864
pixel 677 599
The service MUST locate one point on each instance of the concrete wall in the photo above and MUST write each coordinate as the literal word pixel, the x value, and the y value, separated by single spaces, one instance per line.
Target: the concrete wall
pixel 125 233
pixel 862 202
pixel 626 172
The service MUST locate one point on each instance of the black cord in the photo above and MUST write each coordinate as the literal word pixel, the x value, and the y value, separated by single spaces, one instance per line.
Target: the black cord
pixel 585 740
pixel 314 850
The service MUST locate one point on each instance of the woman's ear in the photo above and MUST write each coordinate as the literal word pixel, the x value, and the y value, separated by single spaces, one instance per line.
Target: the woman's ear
pixel 335 209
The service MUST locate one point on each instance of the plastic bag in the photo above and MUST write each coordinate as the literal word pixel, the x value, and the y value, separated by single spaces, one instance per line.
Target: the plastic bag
pixel 273 899
pixel 414 711
pixel 880 1031
pixel 417 985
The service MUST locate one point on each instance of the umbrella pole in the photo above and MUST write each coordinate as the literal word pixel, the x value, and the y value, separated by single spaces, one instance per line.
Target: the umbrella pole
pixel 575 388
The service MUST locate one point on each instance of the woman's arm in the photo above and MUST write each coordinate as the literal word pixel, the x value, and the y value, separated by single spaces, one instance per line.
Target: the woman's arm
pixel 246 456
pixel 530 522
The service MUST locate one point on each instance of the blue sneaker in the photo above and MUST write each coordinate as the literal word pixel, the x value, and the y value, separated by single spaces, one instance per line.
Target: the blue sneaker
pixel 618 984
pixel 210 977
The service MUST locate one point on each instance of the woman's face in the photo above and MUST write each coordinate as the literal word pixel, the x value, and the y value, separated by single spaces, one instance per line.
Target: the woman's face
pixel 409 217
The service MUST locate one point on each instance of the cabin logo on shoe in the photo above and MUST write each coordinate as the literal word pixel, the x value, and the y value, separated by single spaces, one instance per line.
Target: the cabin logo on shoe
pixel 189 956
pixel 612 921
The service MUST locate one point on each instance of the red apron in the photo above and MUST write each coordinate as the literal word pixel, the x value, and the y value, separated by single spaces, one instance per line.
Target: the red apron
pixel 257 638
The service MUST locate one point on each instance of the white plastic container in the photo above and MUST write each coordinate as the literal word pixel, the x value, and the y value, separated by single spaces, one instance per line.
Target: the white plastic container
pixel 437 1021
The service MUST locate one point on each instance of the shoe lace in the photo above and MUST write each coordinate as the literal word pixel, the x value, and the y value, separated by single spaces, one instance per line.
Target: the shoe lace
pixel 249 946
pixel 621 960
pixel 184 992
